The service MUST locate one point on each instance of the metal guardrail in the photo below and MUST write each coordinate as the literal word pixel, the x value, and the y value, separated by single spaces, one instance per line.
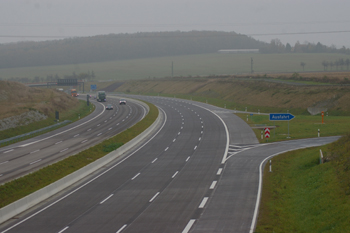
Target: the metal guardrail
pixel 19 137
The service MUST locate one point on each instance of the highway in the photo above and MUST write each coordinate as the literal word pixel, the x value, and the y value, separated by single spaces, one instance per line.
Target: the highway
pixel 198 173
pixel 21 158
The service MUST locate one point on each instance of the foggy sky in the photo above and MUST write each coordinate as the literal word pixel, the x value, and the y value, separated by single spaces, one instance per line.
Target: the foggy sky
pixel 23 20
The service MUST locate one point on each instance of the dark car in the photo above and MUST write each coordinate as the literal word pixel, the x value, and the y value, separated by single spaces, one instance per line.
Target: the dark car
pixel 122 101
pixel 109 107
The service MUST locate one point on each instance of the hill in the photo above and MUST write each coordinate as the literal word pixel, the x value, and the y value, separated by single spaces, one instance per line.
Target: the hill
pixel 120 47
pixel 32 104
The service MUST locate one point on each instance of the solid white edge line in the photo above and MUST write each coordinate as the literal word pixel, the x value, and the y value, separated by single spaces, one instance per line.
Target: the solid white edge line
pixel 204 201
pixel 212 186
pixel 106 199
pixel 189 226
pixel 121 229
pixel 257 203
pixel 90 181
pixel 154 197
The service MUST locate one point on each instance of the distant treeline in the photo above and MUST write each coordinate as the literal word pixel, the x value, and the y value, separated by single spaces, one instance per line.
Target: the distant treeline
pixel 89 76
pixel 121 46
pixel 276 46
pixel 141 45
pixel 338 63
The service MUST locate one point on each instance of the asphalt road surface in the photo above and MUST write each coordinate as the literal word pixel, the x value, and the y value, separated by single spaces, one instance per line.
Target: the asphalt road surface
pixel 199 173
pixel 21 158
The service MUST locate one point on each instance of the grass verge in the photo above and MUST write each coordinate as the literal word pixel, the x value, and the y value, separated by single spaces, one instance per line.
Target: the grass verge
pixel 301 195
pixel 300 127
pixel 30 183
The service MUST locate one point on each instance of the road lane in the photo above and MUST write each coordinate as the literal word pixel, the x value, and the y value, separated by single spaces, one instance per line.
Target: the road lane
pixel 175 183
pixel 30 155
pixel 187 155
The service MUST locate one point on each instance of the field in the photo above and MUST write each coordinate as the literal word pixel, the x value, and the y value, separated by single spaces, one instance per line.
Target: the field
pixel 190 65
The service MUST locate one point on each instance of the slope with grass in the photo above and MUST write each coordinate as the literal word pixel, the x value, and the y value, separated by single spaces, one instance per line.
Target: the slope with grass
pixel 253 94
pixel 302 195
pixel 17 99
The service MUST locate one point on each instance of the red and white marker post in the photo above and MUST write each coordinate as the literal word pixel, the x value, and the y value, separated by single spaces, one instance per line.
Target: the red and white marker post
pixel 267 133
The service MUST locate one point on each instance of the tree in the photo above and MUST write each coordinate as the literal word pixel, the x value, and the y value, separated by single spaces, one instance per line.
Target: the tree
pixel 303 64
pixel 325 65
pixel 341 63
pixel 288 48
pixel 347 63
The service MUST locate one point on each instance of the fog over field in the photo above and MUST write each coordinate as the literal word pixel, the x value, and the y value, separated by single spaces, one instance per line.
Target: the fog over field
pixel 314 21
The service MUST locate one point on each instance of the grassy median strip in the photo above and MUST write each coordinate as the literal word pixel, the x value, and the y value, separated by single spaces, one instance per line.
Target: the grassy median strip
pixel 302 195
pixel 21 187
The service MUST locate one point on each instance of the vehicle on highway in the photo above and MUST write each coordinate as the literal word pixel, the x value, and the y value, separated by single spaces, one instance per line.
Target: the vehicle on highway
pixel 109 107
pixel 101 96
pixel 122 101
pixel 74 93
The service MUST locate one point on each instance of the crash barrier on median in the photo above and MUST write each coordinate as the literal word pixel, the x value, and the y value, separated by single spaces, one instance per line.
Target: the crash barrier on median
pixel 8 140
pixel 35 198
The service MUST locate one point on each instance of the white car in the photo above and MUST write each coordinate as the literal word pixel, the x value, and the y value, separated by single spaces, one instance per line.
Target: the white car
pixel 122 101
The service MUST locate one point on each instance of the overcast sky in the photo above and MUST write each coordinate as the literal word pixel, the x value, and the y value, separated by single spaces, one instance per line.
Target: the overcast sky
pixel 314 21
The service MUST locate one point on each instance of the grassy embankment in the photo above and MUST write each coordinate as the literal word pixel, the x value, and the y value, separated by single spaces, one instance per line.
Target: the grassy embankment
pixel 301 195
pixel 28 184
pixel 75 114
pixel 301 126
pixel 264 97
pixel 17 99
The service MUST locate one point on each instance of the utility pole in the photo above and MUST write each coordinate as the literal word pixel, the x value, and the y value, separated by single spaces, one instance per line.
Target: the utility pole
pixel 251 65
pixel 172 69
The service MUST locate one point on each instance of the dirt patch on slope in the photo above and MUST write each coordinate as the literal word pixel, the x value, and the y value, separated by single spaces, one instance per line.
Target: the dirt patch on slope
pixel 16 99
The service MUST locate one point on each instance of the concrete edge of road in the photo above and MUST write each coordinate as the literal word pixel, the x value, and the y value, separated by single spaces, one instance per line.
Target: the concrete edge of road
pixel 35 198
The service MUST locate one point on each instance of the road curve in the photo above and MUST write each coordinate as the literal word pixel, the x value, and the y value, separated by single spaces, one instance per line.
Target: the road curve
pixel 200 173
pixel 27 156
